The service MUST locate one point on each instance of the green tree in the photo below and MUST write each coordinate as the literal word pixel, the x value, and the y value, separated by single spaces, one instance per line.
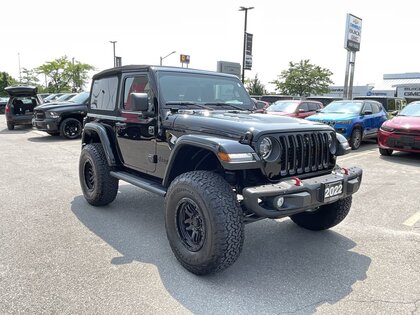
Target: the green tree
pixel 64 75
pixel 79 72
pixel 5 80
pixel 29 77
pixel 303 79
pixel 254 86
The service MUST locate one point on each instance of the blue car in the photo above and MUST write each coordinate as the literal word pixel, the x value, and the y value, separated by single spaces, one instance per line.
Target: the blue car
pixel 356 120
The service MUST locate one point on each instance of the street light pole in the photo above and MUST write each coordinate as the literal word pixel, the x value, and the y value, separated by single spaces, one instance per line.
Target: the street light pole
pixel 113 44
pixel 20 72
pixel 161 58
pixel 243 53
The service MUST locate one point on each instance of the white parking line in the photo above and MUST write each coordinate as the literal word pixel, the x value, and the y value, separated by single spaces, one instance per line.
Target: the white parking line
pixel 355 155
pixel 412 220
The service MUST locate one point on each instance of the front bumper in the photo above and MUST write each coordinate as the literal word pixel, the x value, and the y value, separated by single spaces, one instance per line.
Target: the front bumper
pixel 399 142
pixel 299 195
pixel 47 124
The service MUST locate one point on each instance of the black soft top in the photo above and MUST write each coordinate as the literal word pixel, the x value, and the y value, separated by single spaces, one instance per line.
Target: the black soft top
pixel 133 68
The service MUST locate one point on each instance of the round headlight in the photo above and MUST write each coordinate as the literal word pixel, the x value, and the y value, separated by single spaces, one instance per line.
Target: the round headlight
pixel 266 146
pixel 332 143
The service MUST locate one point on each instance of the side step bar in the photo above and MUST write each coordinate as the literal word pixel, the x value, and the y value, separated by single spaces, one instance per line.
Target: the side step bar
pixel 146 184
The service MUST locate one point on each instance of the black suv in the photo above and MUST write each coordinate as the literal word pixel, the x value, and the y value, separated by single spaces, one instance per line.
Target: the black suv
pixel 20 106
pixel 191 136
pixel 65 118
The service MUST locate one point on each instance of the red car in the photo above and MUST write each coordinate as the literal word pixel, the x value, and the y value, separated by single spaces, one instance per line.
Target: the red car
pixel 294 108
pixel 401 133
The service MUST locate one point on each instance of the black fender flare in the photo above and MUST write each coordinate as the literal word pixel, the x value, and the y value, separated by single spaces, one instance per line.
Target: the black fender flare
pixel 214 145
pixel 100 130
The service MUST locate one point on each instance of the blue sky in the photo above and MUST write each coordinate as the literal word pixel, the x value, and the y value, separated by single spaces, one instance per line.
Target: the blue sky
pixel 210 31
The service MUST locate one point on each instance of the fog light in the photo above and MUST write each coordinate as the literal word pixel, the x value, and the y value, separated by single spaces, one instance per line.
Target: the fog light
pixel 278 202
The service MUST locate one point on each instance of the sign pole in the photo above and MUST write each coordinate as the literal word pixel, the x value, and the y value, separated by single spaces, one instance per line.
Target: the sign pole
pixel 346 78
pixel 352 64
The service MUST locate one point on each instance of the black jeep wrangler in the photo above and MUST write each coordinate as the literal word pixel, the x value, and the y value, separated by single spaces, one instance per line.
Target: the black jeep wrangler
pixel 192 137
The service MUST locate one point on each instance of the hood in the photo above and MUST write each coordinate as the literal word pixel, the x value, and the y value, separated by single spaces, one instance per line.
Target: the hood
pixel 331 116
pixel 281 114
pixel 237 124
pixel 406 122
pixel 48 106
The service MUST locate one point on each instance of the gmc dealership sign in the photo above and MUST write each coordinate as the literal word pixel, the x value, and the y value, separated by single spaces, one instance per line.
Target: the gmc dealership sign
pixel 353 33
pixel 408 91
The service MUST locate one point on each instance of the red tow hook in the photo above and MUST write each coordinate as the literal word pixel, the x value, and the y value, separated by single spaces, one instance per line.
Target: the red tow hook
pixel 298 182
pixel 345 171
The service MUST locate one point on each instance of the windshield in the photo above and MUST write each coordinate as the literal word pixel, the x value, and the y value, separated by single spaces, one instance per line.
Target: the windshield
pixel 80 98
pixel 203 89
pixel 288 107
pixel 64 97
pixel 343 107
pixel 412 109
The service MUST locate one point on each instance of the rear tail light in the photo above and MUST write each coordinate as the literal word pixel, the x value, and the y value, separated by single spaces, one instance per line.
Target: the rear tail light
pixel 7 108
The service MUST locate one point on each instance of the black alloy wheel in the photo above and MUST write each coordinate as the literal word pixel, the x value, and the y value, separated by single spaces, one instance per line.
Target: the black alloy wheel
pixel 71 128
pixel 190 224
pixel 356 138
pixel 89 175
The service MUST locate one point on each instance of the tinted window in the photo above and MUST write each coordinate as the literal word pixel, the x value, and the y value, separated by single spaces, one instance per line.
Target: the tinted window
pixel 136 84
pixel 313 107
pixel 367 108
pixel 304 107
pixel 376 108
pixel 104 94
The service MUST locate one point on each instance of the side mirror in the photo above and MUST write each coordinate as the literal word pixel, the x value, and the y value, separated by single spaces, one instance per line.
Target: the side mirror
pixel 394 113
pixel 140 102
pixel 368 112
pixel 301 110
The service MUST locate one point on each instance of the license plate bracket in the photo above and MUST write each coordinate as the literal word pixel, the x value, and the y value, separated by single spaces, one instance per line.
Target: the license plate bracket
pixel 331 191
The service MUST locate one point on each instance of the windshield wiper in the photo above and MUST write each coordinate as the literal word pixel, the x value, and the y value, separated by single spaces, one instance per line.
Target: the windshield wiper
pixel 226 104
pixel 186 103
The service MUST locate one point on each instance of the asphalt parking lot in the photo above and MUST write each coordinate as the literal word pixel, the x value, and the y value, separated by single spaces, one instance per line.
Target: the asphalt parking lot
pixel 59 255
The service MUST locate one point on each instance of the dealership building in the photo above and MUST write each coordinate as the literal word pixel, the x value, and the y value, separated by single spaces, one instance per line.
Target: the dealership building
pixel 404 85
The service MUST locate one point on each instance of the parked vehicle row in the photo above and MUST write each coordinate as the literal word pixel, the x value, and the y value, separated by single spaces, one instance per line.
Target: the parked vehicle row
pixel 62 118
pixel 25 107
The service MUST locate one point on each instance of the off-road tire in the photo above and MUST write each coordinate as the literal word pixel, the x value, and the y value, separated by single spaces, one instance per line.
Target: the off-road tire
pixel 356 138
pixel 98 186
pixel 71 128
pixel 218 216
pixel 325 217
pixel 385 152
pixel 10 125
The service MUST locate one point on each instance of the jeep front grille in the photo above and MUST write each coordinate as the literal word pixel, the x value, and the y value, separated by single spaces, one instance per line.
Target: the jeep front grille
pixel 302 153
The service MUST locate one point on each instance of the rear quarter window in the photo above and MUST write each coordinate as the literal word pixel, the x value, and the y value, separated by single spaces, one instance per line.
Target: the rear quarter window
pixel 104 94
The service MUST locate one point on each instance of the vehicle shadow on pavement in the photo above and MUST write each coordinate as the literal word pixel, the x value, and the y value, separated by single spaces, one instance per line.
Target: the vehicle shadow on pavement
pixel 18 130
pixel 405 158
pixel 282 268
pixel 48 138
